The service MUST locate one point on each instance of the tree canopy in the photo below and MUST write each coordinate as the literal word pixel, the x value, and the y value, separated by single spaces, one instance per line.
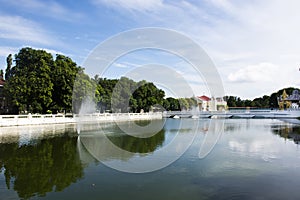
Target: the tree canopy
pixel 38 83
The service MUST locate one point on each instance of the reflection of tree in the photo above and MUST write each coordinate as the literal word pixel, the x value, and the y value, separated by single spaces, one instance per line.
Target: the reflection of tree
pixel 139 145
pixel 288 132
pixel 51 164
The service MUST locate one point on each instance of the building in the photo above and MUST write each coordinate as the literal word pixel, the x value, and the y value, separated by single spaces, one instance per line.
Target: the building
pixel 206 103
pixel 286 101
pixel 203 103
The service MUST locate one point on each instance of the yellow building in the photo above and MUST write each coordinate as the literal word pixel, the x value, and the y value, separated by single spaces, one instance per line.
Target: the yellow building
pixel 286 101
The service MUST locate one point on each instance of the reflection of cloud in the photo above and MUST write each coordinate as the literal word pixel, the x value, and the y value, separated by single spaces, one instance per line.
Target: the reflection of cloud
pixel 237 146
pixel 252 147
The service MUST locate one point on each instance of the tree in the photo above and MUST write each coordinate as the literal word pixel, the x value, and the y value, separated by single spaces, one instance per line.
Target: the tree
pixel 83 92
pixel 122 95
pixel 29 86
pixel 231 101
pixel 273 100
pixel 184 104
pixel 172 104
pixel 192 102
pixel 104 91
pixel 9 66
pixel 147 95
pixel 63 76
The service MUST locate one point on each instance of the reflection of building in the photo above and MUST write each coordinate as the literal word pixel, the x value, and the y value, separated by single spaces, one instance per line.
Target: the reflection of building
pixel 289 101
pixel 288 132
pixel 211 104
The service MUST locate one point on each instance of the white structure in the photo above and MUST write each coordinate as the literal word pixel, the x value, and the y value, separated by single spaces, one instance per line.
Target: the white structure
pixel 211 104
pixel 21 120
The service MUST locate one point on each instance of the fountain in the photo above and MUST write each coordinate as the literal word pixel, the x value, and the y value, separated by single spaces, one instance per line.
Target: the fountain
pixel 87 107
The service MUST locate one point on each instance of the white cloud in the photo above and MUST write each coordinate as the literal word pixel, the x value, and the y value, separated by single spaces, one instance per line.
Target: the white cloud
pixel 120 65
pixel 234 34
pixel 46 8
pixel 132 5
pixel 263 72
pixel 5 51
pixel 21 29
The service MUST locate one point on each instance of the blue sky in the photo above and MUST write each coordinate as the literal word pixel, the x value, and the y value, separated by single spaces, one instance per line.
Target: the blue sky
pixel 255 45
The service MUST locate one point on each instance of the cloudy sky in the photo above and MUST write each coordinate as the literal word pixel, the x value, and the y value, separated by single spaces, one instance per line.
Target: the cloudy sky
pixel 255 45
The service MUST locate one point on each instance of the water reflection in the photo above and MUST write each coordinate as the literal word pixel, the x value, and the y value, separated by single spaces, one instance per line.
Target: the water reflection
pixel 50 164
pixel 124 152
pixel 247 161
pixel 288 131
pixel 138 144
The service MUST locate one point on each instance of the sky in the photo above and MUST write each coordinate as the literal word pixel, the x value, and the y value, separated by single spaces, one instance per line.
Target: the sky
pixel 255 45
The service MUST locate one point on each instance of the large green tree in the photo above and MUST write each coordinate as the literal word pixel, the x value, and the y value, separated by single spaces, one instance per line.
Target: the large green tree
pixel 122 100
pixel 104 92
pixel 147 95
pixel 63 76
pixel 171 103
pixel 29 86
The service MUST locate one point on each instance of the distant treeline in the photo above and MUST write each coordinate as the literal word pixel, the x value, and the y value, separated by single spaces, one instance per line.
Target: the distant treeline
pixel 36 82
pixel 261 102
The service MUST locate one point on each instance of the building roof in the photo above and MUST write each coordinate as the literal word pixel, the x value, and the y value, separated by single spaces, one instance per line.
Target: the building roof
pixel 204 98
pixel 294 97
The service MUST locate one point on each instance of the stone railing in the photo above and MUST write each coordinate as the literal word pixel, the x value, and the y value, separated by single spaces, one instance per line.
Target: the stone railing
pixel 36 119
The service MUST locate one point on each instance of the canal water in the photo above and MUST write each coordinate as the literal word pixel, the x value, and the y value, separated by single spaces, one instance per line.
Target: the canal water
pixel 184 159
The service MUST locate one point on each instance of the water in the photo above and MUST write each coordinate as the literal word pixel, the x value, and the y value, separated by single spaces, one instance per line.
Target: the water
pixel 253 159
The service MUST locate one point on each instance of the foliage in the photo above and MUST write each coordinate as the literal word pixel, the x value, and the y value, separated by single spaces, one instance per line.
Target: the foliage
pixel 9 66
pixel 34 170
pixel 29 86
pixel 104 92
pixel 171 103
pixel 63 76
pixel 37 83
pixel 147 95
pixel 273 98
pixel 261 102
pixel 126 95
pixel 121 98
pixel 84 90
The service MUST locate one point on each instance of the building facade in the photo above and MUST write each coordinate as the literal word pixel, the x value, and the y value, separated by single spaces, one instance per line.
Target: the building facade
pixel 206 103
pixel 292 101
